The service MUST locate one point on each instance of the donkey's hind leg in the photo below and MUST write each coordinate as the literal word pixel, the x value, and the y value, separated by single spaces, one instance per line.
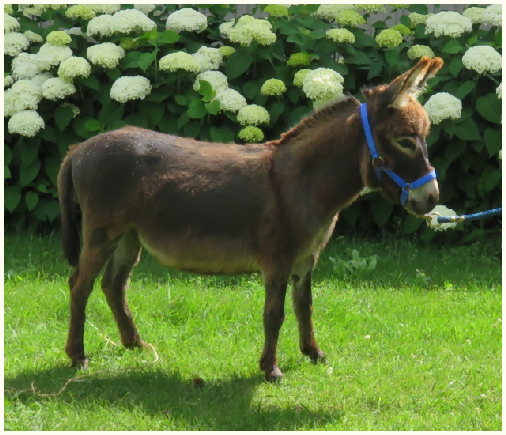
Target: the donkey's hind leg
pixel 115 284
pixel 303 305
pixel 96 250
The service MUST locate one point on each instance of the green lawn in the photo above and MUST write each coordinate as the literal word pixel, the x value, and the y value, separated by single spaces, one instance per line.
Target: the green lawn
pixel 412 337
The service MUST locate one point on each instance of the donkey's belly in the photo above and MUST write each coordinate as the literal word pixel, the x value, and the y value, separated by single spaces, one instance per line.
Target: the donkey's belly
pixel 205 255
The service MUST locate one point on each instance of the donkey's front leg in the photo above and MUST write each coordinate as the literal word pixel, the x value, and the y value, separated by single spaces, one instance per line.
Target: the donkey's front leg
pixel 303 305
pixel 274 315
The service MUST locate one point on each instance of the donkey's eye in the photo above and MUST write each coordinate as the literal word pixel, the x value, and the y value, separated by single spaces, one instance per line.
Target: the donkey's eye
pixel 407 144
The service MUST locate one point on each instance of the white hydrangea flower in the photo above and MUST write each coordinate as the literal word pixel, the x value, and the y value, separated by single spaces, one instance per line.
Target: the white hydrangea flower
pixel 322 83
pixel 186 19
pixel 448 23
pixel 57 89
pixel 49 56
pixel 416 51
pixel 474 14
pixel 216 79
pixel 103 25
pixel 329 12
pixel 300 75
pixel 145 8
pixel 443 105
pixel 105 8
pixel 340 35
pixel 130 88
pixel 179 60
pixel 230 100
pixel 8 80
pixel 417 18
pixel 106 55
pixel 8 9
pixel 26 123
pixel 441 210
pixel 74 67
pixel 482 58
pixel 25 66
pixel 493 15
pixel 40 79
pixel 33 10
pixel 498 91
pixel 209 58
pixel 131 20
pixel 253 114
pixel 248 29
pixel 33 37
pixel 15 43
pixel 23 95
pixel 11 24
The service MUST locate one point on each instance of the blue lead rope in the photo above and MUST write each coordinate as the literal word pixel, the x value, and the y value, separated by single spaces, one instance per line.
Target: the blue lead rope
pixel 469 217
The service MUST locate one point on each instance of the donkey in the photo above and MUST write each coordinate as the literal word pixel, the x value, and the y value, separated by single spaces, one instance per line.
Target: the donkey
pixel 215 208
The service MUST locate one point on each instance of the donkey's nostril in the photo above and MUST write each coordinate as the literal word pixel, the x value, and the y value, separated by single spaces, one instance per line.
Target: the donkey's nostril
pixel 432 200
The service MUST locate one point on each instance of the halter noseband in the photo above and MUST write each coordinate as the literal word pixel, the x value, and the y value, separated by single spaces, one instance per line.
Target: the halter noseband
pixel 378 163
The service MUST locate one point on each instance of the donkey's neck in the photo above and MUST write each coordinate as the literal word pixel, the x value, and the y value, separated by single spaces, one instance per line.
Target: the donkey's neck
pixel 317 164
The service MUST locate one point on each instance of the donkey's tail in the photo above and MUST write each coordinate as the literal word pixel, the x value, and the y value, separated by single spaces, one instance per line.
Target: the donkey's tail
pixel 69 212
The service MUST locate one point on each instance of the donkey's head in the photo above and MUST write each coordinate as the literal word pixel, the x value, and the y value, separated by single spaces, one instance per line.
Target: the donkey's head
pixel 399 125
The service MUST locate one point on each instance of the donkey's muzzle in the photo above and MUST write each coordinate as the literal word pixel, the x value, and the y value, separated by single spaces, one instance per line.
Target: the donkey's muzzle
pixel 424 198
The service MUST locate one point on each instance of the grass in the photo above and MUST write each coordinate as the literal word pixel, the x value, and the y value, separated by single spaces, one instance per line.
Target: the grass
pixel 412 336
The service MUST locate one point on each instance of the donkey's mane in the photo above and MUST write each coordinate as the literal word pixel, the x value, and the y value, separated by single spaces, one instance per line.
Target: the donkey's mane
pixel 340 109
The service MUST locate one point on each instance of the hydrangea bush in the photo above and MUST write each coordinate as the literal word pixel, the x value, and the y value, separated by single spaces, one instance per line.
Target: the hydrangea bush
pixel 74 71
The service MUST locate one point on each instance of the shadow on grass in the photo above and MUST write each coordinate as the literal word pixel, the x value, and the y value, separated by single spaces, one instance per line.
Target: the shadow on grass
pixel 213 405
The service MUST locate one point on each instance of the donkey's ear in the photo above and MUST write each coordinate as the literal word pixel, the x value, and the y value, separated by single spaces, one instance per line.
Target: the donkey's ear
pixel 411 83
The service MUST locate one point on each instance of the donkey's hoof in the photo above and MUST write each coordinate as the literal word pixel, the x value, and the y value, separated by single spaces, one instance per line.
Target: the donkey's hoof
pixel 318 356
pixel 274 376
pixel 80 363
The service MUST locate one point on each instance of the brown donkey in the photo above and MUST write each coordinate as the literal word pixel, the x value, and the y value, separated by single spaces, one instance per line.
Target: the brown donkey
pixel 229 209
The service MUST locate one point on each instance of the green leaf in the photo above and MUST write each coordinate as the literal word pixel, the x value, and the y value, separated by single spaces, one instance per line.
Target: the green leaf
pixel 222 134
pixel 46 209
pixel 237 64
pixel 492 138
pixel 146 59
pixel 154 112
pixel 94 125
pixel 276 110
pixel 31 200
pixel 490 108
pixel 212 108
pixel 468 131
pixel 453 47
pixel 182 100
pixel 192 129
pixel 28 152
pixel 381 210
pixel 91 82
pixel 12 196
pixel 168 37
pixel 454 149
pixel 455 66
pixel 392 57
pixel 7 155
pixel 206 90
pixel 28 173
pixel 374 70
pixel 492 179
pixel 196 109
pixel 411 224
pixel 52 167
pixel 62 116
pixel 7 172
pixel 464 89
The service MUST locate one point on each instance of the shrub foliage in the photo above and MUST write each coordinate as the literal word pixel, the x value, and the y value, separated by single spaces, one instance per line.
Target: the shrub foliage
pixel 463 150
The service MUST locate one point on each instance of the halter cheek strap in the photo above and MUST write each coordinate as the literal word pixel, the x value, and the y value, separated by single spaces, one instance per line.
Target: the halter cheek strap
pixel 379 166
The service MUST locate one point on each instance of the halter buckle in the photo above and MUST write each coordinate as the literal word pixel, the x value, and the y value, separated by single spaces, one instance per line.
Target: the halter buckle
pixel 378 162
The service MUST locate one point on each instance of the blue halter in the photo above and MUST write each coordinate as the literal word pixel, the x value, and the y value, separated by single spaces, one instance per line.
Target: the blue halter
pixel 406 187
